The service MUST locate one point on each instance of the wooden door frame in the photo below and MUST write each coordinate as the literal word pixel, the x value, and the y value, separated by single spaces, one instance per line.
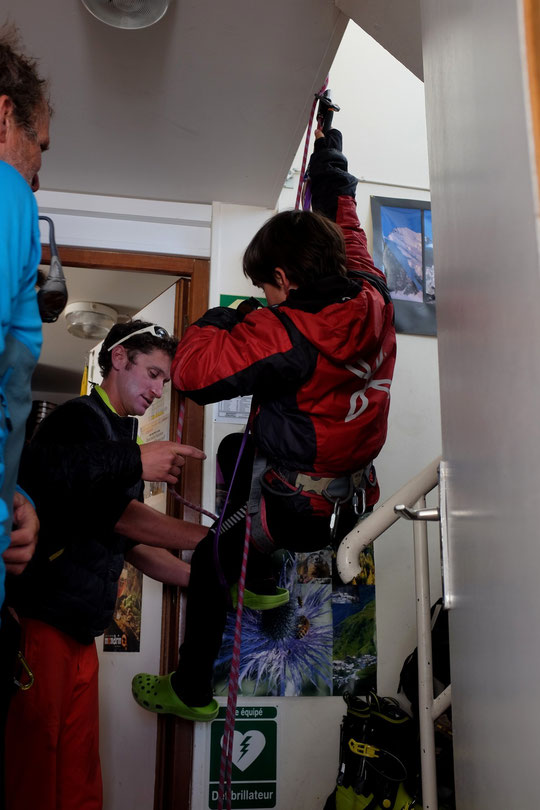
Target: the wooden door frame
pixel 174 755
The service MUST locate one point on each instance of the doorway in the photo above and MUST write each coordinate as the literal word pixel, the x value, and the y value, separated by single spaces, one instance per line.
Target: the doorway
pixel 191 279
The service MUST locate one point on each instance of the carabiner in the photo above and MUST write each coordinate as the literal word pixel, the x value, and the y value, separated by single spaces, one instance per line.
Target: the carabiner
pixel 24 686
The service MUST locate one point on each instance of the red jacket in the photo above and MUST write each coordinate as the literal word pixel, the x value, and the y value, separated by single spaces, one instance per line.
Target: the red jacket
pixel 320 364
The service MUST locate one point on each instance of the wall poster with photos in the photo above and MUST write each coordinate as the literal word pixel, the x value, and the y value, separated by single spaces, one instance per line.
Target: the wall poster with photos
pixel 403 250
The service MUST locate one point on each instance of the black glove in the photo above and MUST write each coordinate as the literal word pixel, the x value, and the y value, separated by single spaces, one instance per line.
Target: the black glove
pixel 227 318
pixel 327 171
pixel 248 305
pixel 222 317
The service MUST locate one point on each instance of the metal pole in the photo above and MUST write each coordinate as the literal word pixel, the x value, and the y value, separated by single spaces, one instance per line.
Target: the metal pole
pixel 442 702
pixel 425 669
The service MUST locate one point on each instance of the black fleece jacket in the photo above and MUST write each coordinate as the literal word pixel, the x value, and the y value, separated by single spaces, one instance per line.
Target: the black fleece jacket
pixel 82 469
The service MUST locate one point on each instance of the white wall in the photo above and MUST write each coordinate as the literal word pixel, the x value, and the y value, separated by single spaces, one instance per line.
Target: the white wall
pixel 120 223
pixel 383 122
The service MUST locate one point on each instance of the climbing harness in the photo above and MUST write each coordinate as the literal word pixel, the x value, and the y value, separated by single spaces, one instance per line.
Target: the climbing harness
pixel 337 491
pixel 232 520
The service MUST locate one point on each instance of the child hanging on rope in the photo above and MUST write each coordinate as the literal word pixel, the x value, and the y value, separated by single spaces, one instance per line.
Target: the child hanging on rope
pixel 319 361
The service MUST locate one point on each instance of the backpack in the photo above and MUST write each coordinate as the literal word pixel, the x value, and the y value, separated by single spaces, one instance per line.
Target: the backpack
pixel 408 677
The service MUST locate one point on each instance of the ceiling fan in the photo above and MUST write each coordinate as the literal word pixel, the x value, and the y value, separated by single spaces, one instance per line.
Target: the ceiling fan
pixel 127 13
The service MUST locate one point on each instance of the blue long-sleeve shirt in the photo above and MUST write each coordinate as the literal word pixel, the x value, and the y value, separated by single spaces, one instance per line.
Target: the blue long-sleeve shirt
pixel 20 332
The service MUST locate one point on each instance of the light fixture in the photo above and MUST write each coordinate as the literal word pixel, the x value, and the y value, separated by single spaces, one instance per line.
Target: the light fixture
pixel 86 319
pixel 127 13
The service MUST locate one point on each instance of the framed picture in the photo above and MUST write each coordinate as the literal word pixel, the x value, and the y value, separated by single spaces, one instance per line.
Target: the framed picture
pixel 403 250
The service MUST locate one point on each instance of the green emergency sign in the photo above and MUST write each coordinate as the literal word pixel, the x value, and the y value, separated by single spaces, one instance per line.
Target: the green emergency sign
pixel 234 300
pixel 254 777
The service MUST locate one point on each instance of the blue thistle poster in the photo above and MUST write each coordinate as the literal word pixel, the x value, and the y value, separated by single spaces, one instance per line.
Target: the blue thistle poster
pixel 323 642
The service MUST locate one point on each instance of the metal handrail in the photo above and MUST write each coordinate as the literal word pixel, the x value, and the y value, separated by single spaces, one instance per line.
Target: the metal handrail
pixel 368 529
pixel 409 502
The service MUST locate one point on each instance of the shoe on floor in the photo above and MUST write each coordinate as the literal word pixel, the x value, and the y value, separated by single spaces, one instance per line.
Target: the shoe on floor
pixel 259 601
pixel 156 694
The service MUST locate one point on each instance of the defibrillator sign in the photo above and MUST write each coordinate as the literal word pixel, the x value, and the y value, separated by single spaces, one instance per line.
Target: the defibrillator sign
pixel 254 778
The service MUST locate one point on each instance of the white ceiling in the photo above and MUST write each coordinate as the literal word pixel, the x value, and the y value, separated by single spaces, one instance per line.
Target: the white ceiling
pixel 395 24
pixel 209 104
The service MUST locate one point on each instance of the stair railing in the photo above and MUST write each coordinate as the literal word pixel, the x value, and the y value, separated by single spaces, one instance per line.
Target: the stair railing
pixel 409 502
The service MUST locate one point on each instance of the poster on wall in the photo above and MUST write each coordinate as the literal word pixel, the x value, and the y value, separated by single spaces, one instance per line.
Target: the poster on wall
pixel 233 411
pixel 354 652
pixel 321 643
pixel 154 426
pixel 124 632
pixel 403 250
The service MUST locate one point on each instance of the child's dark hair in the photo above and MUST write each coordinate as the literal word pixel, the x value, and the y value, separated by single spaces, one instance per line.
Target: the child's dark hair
pixel 142 343
pixel 305 245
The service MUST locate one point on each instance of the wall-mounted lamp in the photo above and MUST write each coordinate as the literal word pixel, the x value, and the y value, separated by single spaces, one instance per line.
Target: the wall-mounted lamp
pixel 86 319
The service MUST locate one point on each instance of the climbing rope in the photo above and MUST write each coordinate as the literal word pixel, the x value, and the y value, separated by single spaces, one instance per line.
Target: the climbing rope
pixel 180 423
pixel 185 502
pixel 174 493
pixel 307 146
pixel 225 767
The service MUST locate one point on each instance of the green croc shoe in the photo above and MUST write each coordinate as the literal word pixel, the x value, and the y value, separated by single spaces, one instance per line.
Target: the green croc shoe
pixel 259 601
pixel 155 693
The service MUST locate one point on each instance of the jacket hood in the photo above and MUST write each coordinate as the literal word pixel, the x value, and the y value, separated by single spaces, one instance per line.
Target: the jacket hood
pixel 350 316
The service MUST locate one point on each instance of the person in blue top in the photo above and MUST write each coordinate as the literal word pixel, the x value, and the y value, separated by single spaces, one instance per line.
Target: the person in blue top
pixel 24 136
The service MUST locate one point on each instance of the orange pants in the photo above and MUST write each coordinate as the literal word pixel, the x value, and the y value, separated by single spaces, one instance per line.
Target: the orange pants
pixel 52 736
